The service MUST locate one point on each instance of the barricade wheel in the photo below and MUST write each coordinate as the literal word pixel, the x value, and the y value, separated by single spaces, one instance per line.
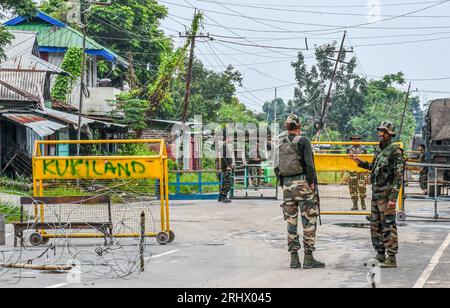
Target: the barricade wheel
pixel 171 236
pixel 36 239
pixel 401 216
pixel 163 238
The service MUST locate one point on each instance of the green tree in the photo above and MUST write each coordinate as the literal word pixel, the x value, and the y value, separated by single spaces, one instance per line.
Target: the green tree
pixel 18 8
pixel 132 27
pixel 385 102
pixel 58 9
pixel 64 84
pixel 131 110
pixel 235 112
pixel 210 91
pixel 347 99
pixel 282 110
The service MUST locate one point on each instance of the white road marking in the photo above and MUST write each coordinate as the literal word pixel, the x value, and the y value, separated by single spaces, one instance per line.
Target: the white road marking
pixel 162 254
pixel 420 284
pixel 56 286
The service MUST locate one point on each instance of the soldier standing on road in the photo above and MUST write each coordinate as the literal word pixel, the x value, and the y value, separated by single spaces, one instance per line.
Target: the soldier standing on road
pixel 226 165
pixel 423 179
pixel 387 173
pixel 256 171
pixel 297 175
pixel 358 180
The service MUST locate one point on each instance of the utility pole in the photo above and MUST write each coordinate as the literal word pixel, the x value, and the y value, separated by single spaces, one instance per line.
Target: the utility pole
pixel 84 8
pixel 275 107
pixel 404 112
pixel 321 123
pixel 187 96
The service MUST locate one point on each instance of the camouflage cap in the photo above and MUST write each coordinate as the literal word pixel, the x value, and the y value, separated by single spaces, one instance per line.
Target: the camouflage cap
pixel 389 127
pixel 293 119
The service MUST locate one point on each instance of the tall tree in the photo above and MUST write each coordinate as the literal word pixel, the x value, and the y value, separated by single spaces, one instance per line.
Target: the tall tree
pixel 58 9
pixel 210 91
pixel 347 98
pixel 385 102
pixel 132 27
pixel 281 107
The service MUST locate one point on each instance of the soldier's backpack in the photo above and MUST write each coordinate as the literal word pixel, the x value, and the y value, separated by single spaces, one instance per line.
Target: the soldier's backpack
pixel 289 163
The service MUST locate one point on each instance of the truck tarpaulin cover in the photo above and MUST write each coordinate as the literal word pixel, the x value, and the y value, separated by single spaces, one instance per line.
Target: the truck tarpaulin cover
pixel 439 114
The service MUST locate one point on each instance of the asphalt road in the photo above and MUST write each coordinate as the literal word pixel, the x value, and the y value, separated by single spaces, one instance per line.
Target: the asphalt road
pixel 243 244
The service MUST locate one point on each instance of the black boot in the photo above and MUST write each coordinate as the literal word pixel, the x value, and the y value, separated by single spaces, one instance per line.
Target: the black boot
pixel 295 260
pixel 221 196
pixel 226 200
pixel 381 257
pixel 310 262
pixel 391 262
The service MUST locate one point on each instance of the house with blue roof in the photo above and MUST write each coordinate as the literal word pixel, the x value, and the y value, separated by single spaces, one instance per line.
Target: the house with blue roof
pixel 54 39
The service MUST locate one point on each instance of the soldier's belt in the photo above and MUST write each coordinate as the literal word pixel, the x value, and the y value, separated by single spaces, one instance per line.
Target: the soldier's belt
pixel 301 177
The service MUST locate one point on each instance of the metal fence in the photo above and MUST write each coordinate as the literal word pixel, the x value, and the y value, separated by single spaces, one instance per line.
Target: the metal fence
pixel 129 181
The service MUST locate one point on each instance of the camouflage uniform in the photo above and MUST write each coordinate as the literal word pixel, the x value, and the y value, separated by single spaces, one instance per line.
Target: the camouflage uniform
pixel 256 171
pixel 387 173
pixel 358 180
pixel 423 179
pixel 226 175
pixel 299 199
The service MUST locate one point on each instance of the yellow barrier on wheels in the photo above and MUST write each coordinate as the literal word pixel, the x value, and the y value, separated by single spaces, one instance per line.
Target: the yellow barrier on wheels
pixel 136 183
pixel 334 166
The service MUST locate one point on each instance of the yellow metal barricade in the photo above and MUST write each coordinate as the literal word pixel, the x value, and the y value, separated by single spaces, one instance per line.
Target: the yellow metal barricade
pixel 135 184
pixel 334 168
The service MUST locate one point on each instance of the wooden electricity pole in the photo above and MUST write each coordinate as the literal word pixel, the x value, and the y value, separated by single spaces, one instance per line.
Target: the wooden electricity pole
pixel 321 123
pixel 84 8
pixel 404 112
pixel 192 36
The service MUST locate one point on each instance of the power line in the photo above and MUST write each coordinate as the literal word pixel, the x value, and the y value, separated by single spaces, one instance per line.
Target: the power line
pixel 258 46
pixel 404 42
pixel 257 71
pixel 281 9
pixel 326 6
pixel 332 27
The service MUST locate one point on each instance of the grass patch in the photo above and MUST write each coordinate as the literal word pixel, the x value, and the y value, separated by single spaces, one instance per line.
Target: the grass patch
pixel 11 213
pixel 193 178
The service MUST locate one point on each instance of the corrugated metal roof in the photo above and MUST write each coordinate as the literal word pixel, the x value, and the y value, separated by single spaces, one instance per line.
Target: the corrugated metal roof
pixel 22 53
pixel 25 81
pixel 24 118
pixel 53 36
pixel 72 119
pixel 41 126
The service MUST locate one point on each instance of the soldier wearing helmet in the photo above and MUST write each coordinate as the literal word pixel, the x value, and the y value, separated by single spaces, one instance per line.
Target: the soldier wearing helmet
pixel 297 175
pixel 358 180
pixel 387 172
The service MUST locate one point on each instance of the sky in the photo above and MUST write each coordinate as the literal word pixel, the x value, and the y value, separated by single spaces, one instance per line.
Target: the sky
pixel 411 36
pixel 387 36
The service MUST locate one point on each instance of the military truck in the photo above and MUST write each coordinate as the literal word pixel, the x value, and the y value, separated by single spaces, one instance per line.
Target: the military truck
pixel 436 134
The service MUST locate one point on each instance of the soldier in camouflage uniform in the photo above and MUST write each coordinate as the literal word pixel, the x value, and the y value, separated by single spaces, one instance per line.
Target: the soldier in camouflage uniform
pixel 298 190
pixel 423 179
pixel 256 171
pixel 226 165
pixel 358 180
pixel 387 173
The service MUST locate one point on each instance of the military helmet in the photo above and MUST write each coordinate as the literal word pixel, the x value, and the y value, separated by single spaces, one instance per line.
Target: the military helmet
pixel 389 127
pixel 356 137
pixel 293 119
